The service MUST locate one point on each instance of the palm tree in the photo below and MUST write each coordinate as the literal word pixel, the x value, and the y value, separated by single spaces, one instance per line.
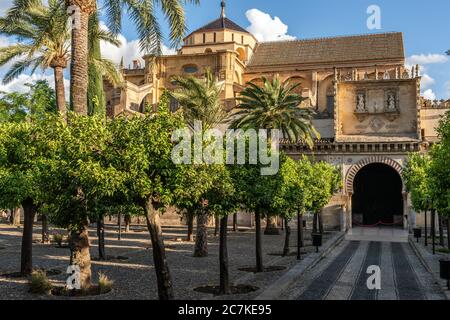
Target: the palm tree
pixel 200 101
pixel 44 41
pixel 142 13
pixel 274 105
pixel 43 36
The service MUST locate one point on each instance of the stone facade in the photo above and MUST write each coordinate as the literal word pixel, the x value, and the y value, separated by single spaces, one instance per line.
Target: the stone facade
pixel 368 105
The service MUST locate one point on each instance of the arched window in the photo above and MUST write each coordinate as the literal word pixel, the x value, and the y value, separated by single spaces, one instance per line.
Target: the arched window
pixel 241 54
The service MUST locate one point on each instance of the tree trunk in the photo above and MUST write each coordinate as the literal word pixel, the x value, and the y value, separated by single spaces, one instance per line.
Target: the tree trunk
pixel 190 226
pixel 119 223
pixel 271 226
pixel 101 238
pixel 259 258
pixel 286 238
pixel 163 277
pixel 79 57
pixel 26 259
pixel 223 257
pixel 301 232
pixel 315 219
pixel 44 231
pixel 216 225
pixel 15 217
pixel 201 240
pixel 426 229
pixel 127 220
pixel 60 90
pixel 235 226
pixel 80 255
pixel 441 231
pixel 433 230
pixel 320 221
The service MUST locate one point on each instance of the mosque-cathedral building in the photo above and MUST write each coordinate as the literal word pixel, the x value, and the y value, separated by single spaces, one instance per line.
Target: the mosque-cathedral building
pixel 369 110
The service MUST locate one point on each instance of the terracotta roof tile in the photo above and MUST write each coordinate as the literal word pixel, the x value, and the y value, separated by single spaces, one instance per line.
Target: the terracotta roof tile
pixel 323 50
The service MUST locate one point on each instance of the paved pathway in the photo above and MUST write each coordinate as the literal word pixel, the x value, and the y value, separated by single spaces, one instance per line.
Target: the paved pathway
pixel 341 275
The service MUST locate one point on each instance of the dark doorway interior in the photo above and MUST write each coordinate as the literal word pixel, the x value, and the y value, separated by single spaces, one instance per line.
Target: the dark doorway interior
pixel 377 194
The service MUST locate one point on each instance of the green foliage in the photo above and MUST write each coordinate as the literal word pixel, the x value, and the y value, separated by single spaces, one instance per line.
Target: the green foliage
pixel 439 171
pixel 37 103
pixel 200 100
pixel 275 105
pixel 43 35
pixel 293 194
pixel 26 149
pixel 104 283
pixel 39 283
pixel 326 181
pixel 416 176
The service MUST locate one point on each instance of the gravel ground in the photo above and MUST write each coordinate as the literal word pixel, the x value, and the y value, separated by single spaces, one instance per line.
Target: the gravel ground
pixel 135 278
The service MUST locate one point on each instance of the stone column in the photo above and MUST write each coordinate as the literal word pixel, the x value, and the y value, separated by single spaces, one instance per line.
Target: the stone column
pixel 349 211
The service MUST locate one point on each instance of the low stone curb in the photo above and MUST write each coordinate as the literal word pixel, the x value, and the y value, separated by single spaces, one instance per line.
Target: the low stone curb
pixel 431 263
pixel 274 291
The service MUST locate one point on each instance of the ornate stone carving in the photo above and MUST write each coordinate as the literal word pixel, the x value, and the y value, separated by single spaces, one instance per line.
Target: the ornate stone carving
pixel 361 102
pixel 377 124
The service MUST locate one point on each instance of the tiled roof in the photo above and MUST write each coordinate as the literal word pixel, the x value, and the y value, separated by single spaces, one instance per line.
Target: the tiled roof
pixel 221 23
pixel 326 50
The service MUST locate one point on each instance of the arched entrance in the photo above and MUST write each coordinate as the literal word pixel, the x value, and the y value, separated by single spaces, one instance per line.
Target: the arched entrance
pixel 377 197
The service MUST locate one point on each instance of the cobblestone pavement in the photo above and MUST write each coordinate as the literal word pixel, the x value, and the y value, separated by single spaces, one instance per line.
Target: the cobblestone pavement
pixel 342 275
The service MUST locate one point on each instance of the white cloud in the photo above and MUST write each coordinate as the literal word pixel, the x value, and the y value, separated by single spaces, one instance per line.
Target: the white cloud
pixel 129 50
pixel 424 59
pixel 429 94
pixel 266 28
pixel 19 84
pixel 5 5
pixel 427 81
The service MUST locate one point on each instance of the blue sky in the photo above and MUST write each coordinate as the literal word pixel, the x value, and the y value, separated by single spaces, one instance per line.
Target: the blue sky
pixel 424 24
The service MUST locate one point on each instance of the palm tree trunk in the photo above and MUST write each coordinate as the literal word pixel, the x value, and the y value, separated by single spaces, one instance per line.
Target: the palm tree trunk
pixel 190 226
pixel 201 241
pixel 259 258
pixel 164 279
pixel 44 231
pixel 79 57
pixel 80 255
pixel 26 259
pixel 101 238
pixel 60 90
pixel 223 257
pixel 287 237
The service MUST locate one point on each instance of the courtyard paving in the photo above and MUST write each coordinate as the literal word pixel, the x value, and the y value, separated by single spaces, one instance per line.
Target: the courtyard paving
pixel 135 278
pixel 341 275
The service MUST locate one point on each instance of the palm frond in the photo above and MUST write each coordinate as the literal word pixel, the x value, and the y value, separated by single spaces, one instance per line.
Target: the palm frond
pixel 108 69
